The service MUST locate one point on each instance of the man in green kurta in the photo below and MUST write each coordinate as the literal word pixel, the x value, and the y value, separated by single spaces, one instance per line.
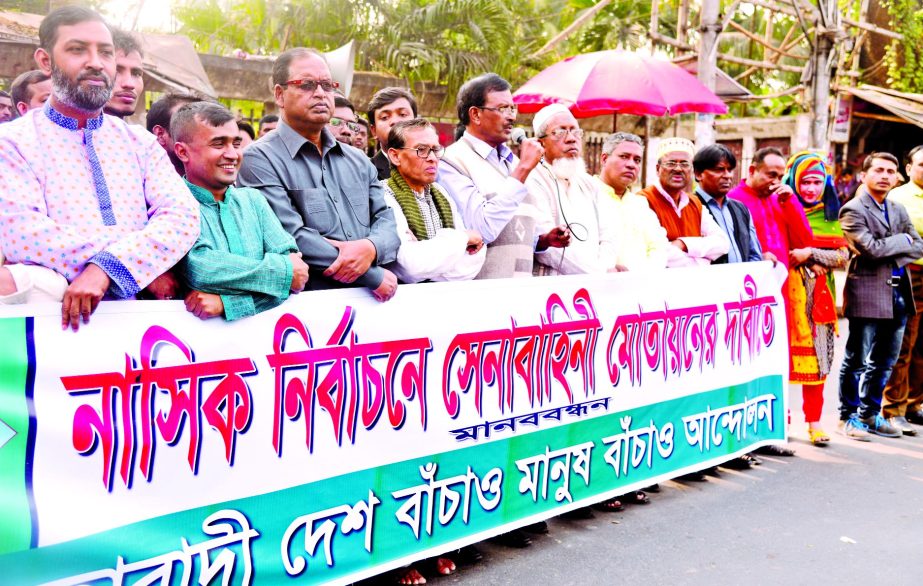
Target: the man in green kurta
pixel 244 262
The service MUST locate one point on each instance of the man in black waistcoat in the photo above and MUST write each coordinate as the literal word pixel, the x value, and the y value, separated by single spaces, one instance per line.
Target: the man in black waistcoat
pixel 714 173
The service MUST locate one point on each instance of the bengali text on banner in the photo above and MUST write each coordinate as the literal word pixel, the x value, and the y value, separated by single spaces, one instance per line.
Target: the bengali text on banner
pixel 334 438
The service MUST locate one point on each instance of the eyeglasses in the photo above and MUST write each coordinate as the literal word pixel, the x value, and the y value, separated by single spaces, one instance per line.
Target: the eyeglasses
pixel 353 126
pixel 423 151
pixel 560 133
pixel 503 110
pixel 684 165
pixel 310 85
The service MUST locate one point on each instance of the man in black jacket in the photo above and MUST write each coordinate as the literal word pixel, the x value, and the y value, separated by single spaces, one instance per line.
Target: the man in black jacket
pixel 388 106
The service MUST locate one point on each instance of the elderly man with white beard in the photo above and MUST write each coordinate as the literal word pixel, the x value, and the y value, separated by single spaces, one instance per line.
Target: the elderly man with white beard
pixel 571 199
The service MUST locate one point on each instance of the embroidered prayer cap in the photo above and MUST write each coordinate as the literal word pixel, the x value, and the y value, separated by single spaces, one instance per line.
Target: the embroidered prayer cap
pixel 544 115
pixel 675 145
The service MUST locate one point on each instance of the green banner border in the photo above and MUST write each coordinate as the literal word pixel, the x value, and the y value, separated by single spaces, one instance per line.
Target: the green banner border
pixel 394 543
pixel 15 504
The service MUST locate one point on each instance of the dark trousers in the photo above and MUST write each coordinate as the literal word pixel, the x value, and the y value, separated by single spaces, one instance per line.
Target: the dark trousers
pixel 871 350
pixel 904 391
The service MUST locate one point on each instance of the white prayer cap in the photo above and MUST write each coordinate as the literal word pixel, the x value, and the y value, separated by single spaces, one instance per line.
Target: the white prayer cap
pixel 541 118
pixel 675 145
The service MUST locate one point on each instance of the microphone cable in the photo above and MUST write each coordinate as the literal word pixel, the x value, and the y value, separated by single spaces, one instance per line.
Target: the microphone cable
pixel 567 223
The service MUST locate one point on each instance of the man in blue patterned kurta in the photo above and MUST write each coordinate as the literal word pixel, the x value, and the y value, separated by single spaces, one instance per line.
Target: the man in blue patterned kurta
pixel 244 262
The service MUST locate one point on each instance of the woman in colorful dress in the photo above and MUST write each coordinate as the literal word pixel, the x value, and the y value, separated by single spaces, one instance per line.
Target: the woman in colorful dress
pixel 810 286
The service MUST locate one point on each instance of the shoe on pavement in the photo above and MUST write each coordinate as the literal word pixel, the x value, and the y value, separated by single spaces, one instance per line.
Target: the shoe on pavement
pixel 880 426
pixel 742 463
pixel 774 450
pixel 902 425
pixel 853 428
pixel 515 538
pixel 693 477
pixel 915 416
pixel 581 514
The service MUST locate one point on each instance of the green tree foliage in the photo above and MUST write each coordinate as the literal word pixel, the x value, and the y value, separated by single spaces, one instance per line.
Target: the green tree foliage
pixel 449 41
pixel 776 28
pixel 445 41
pixel 905 58
pixel 265 27
pixel 619 25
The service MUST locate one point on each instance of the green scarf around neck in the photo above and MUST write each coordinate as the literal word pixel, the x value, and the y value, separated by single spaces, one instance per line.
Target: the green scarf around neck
pixel 408 202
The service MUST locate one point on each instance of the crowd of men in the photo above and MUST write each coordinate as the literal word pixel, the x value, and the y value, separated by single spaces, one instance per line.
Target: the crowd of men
pixel 93 208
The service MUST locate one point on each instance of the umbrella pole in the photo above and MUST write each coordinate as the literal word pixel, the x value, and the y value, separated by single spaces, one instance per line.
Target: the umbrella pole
pixel 615 122
pixel 647 139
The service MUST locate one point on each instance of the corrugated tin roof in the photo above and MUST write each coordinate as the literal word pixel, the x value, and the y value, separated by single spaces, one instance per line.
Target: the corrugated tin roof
pixel 171 59
pixel 19 26
pixel 902 104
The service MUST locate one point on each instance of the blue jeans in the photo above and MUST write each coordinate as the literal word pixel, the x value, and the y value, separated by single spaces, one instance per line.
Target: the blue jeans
pixel 871 351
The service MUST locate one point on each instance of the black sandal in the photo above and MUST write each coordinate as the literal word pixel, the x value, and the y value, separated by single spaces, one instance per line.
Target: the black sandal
pixel 637 497
pixel 613 505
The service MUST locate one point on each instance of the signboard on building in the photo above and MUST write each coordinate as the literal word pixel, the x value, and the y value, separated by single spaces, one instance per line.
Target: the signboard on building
pixel 842 118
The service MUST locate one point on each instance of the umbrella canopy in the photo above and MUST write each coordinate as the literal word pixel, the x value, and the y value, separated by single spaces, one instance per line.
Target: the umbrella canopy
pixel 608 82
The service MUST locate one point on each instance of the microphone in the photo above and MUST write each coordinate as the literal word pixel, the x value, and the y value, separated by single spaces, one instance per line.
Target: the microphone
pixel 518 135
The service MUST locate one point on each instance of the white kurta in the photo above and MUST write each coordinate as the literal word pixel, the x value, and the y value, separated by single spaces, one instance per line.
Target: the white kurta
pixel 441 258
pixel 581 204
pixel 34 284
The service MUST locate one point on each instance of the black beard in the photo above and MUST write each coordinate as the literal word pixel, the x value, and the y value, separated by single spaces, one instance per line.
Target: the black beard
pixel 76 96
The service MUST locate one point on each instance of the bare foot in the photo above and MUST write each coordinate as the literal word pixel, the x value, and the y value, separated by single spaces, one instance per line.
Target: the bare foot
pixel 445 566
pixel 409 576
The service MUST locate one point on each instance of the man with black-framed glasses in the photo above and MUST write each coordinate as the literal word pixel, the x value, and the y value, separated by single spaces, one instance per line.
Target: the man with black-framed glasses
pixel 435 246
pixel 325 194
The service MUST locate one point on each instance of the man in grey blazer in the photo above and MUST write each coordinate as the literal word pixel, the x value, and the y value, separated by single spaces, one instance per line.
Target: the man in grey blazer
pixel 877 298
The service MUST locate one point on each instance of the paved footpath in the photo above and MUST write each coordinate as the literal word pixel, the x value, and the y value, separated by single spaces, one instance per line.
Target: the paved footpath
pixel 850 513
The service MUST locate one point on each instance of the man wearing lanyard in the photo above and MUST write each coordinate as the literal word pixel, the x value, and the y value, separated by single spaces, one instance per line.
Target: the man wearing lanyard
pixel 877 297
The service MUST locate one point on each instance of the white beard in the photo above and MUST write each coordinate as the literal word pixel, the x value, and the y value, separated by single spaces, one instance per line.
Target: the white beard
pixel 568 168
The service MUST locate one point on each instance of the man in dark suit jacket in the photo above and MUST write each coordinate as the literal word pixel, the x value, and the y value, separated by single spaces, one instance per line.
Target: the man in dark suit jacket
pixel 877 298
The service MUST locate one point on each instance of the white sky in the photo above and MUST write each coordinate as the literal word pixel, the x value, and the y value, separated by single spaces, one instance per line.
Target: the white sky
pixel 154 15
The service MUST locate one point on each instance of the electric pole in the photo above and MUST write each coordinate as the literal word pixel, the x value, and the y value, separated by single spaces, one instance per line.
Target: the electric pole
pixel 709 28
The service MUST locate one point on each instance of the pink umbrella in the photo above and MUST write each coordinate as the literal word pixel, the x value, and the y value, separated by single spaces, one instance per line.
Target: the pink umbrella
pixel 613 82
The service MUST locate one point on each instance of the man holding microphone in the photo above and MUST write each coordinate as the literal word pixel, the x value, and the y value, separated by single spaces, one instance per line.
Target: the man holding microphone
pixel 486 180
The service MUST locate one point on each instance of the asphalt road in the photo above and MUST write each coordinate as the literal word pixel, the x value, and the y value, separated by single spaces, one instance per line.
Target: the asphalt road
pixel 850 513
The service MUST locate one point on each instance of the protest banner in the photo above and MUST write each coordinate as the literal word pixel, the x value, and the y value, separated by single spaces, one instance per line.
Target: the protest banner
pixel 334 437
